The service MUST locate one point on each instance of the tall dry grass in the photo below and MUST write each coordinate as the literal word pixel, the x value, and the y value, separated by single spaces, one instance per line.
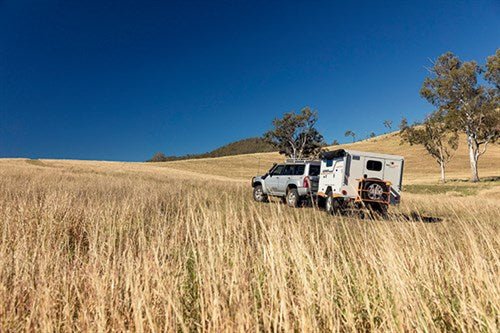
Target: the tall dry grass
pixel 88 248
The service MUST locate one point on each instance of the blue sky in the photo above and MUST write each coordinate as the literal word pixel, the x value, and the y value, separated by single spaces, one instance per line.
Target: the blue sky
pixel 121 80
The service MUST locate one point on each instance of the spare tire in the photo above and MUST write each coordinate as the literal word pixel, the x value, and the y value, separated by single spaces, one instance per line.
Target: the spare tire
pixel 375 191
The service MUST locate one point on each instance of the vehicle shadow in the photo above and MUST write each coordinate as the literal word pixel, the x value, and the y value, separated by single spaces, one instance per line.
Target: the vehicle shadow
pixel 416 217
pixel 395 216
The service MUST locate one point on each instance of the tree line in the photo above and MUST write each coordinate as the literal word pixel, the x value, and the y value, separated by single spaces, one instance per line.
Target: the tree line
pixel 466 99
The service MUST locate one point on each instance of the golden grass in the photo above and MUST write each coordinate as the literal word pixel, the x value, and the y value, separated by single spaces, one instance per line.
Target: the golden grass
pixel 97 246
pixel 419 166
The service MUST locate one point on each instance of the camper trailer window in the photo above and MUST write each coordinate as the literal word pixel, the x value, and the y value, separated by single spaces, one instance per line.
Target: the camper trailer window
pixel 355 157
pixel 329 163
pixel 374 165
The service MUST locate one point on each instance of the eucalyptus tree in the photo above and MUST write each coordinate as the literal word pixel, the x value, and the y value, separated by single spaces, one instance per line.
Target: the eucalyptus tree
pixel 437 137
pixel 468 106
pixel 295 135
pixel 351 134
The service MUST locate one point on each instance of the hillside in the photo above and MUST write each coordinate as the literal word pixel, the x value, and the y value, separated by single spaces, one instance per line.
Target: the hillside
pixel 240 147
pixel 245 146
pixel 419 166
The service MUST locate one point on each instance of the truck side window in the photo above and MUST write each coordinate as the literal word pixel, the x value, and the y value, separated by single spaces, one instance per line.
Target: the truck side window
pixel 299 170
pixel 329 163
pixel 289 170
pixel 374 165
pixel 278 170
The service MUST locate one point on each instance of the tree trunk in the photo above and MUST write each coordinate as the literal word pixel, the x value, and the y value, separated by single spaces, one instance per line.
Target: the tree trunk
pixel 473 157
pixel 443 172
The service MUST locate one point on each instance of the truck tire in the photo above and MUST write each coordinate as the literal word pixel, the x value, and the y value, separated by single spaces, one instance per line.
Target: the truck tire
pixel 292 197
pixel 258 194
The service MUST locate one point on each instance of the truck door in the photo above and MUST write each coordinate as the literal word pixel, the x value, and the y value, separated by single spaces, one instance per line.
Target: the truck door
pixel 272 182
pixel 374 168
pixel 292 174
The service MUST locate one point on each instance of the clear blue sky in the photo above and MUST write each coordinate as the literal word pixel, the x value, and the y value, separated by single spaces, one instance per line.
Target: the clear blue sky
pixel 120 80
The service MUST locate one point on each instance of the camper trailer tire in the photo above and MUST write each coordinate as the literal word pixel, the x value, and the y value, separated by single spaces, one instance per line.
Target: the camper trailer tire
pixel 332 205
pixel 329 205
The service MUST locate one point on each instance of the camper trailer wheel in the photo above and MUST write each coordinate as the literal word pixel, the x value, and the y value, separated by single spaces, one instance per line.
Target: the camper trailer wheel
pixel 329 205
pixel 292 197
pixel 258 194
pixel 332 205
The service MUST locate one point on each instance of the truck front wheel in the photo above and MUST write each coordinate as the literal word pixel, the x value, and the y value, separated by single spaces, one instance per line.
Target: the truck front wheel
pixel 258 194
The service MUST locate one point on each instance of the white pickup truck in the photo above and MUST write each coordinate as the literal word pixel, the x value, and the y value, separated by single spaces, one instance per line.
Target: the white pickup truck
pixel 343 179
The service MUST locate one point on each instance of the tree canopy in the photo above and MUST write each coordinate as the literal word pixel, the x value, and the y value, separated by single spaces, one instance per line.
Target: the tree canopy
pixel 295 135
pixel 438 139
pixel 467 106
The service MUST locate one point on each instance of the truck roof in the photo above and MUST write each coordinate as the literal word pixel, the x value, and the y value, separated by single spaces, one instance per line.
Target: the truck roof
pixel 294 161
pixel 343 152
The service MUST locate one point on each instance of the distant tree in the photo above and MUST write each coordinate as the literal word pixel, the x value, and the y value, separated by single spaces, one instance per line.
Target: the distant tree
pixel 351 134
pixel 335 142
pixel 388 124
pixel 295 135
pixel 158 157
pixel 372 135
pixel 492 73
pixel 468 107
pixel 438 139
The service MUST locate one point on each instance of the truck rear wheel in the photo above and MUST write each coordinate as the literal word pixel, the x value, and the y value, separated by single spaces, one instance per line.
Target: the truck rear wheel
pixel 292 197
pixel 258 194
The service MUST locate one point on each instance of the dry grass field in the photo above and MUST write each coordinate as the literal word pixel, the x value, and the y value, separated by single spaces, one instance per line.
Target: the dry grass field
pixel 181 246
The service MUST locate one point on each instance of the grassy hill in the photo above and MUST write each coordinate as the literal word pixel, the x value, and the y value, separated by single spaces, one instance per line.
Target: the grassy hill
pixel 240 147
pixel 419 166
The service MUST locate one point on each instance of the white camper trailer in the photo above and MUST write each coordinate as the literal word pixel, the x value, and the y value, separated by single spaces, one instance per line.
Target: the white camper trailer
pixel 368 179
